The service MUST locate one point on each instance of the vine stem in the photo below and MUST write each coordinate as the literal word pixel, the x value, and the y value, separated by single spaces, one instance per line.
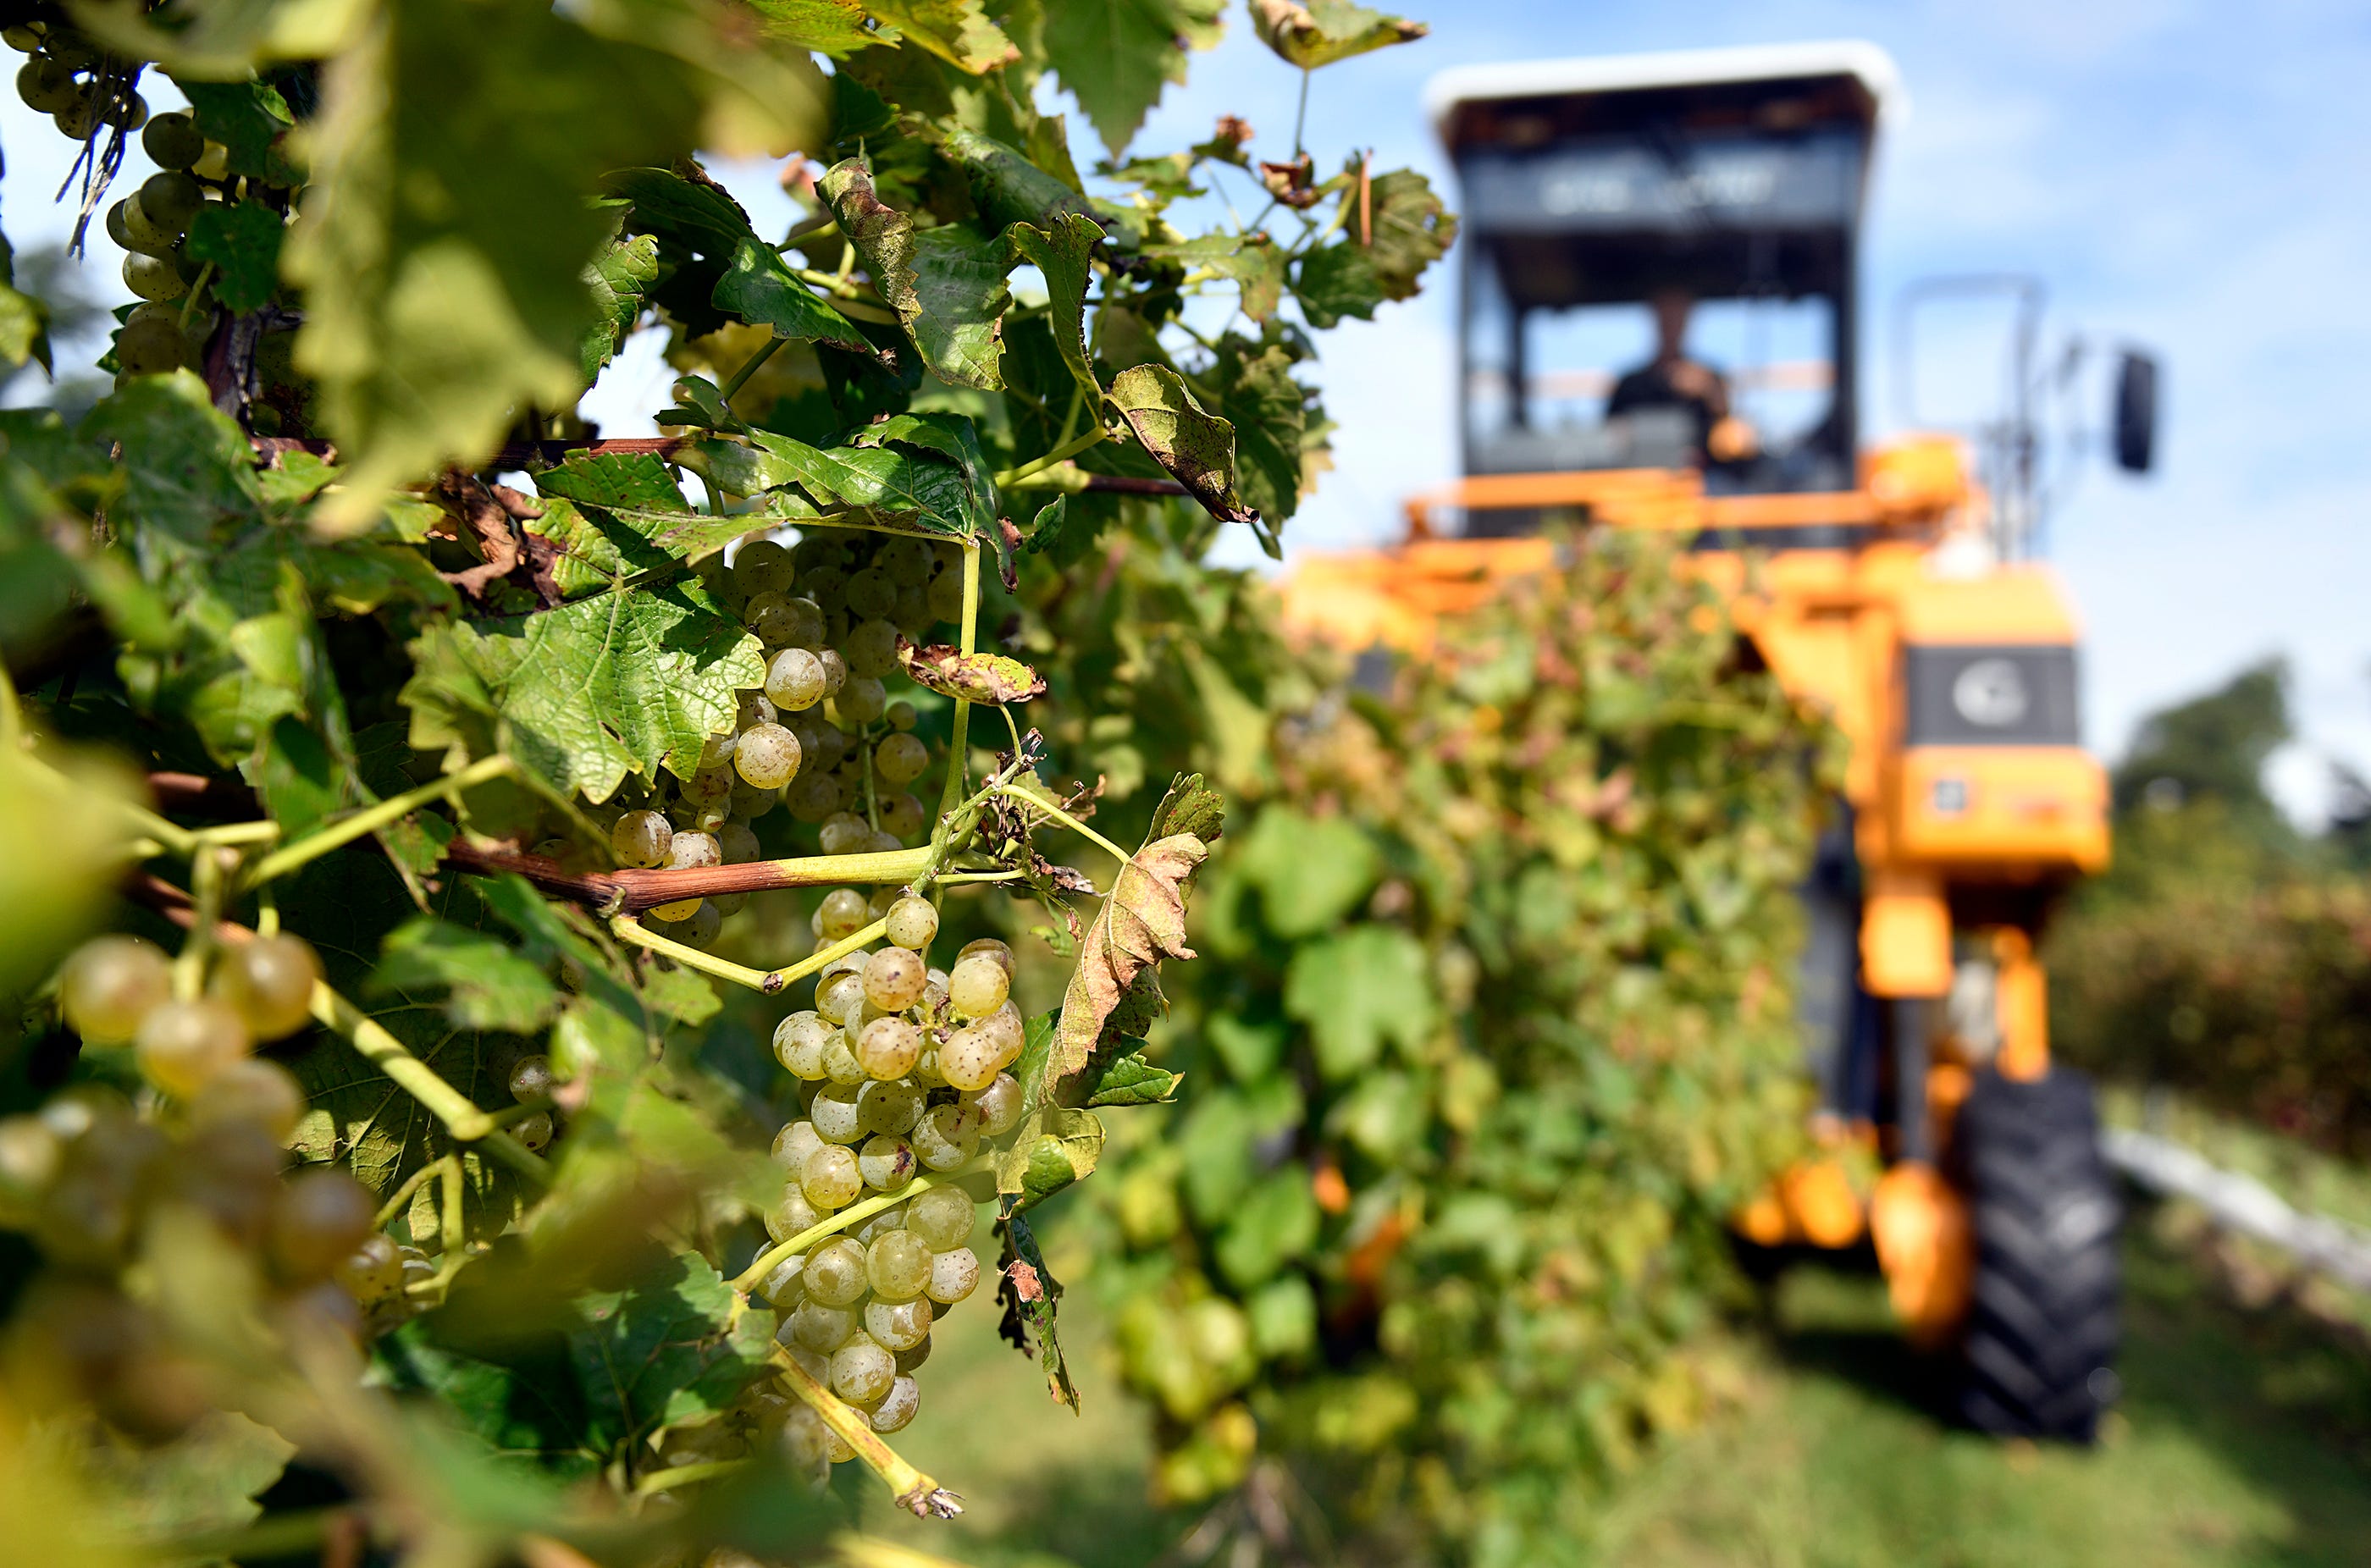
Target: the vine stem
pixel 382 1050
pixel 1092 436
pixel 919 1494
pixel 687 1475
pixel 630 928
pixel 749 1279
pixel 338 835
pixel 959 738
pixel 12 712
pixel 750 367
pixel 1030 798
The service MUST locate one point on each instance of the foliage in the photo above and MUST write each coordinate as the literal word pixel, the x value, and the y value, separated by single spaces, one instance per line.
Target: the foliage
pixel 2224 953
pixel 2212 746
pixel 2206 962
pixel 1497 1031
pixel 412 1134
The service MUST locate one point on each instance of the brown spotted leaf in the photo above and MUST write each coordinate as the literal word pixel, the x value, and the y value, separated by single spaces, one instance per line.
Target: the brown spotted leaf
pixel 1142 922
pixel 987 679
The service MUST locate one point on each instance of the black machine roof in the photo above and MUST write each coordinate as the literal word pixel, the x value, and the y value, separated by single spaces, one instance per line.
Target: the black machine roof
pixel 1725 172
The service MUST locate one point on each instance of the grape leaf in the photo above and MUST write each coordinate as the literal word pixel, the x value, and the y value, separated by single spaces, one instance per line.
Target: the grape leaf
pixel 1356 990
pixel 444 286
pixel 991 679
pixel 1007 188
pixel 1251 261
pixel 957 31
pixel 682 206
pixel 946 285
pixel 827 27
pixel 689 213
pixel 520 1398
pixel 1197 448
pixel 621 277
pixel 959 300
pixel 878 483
pixel 1142 921
pixel 1189 806
pixel 588 692
pixel 1116 56
pixel 1311 871
pixel 1132 1080
pixel 1053 518
pixel 24 321
pixel 1327 31
pixel 1412 230
pixel 186 467
pixel 241 241
pixel 1276 1224
pixel 1064 253
pixel 1252 386
pixel 758 288
pixel 612 515
pixel 951 436
pixel 252 123
pixel 488 985
pixel 203 1479
pixel 1028 1292
pixel 670 1347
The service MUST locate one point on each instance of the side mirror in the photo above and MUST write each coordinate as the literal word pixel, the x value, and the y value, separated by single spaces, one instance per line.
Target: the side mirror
pixel 2136 414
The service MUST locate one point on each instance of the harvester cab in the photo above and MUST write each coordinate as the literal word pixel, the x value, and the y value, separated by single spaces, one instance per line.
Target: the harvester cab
pixel 1622 217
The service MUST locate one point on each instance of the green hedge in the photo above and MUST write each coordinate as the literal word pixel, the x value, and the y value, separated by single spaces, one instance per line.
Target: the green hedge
pixel 2235 968
pixel 1498 1031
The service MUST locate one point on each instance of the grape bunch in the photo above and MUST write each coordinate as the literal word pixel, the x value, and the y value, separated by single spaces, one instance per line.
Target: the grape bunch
pixel 901 1070
pixel 71 79
pixel 822 739
pixel 96 1180
pixel 119 990
pixel 68 78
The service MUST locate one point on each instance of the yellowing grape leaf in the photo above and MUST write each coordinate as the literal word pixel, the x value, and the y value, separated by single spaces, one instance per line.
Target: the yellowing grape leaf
pixel 1252 386
pixel 1410 230
pixel 1253 261
pixel 1196 446
pixel 957 31
pixel 827 27
pixel 1327 31
pixel 1142 921
pixel 991 679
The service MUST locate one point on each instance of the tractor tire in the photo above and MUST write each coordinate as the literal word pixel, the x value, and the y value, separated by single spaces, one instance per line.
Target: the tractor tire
pixel 2040 1344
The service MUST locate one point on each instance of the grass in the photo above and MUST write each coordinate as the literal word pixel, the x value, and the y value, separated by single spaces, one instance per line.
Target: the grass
pixel 2244 1437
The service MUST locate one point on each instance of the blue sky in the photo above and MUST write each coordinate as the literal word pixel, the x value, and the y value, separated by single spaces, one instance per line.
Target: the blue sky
pixel 2197 179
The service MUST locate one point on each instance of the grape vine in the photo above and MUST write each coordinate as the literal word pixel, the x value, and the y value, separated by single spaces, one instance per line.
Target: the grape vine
pixel 1491 1030
pixel 412 773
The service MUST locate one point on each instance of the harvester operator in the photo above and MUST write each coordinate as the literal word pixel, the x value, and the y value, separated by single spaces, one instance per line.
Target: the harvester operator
pixel 1671 379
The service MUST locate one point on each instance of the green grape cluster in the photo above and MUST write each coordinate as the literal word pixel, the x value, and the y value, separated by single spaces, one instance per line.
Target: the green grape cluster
pixel 111 1190
pixel 901 1073
pixel 67 77
pixel 823 739
pixel 119 990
